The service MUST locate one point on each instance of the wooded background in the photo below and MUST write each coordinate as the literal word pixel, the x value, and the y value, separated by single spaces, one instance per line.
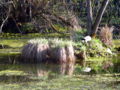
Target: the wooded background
pixel 28 16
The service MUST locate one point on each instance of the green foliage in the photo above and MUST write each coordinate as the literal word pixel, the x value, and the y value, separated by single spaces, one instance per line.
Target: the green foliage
pixel 96 66
pixel 80 47
pixel 78 69
pixel 13 43
pixel 54 42
pixel 27 27
pixel 94 48
pixel 60 42
pixel 38 41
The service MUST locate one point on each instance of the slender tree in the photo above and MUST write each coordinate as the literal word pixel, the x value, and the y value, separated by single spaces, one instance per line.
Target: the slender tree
pixel 99 17
pixel 89 16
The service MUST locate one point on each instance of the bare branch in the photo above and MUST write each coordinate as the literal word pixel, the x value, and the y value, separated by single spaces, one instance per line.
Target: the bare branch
pixel 4 21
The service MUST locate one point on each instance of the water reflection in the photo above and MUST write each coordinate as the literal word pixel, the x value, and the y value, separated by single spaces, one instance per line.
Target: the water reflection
pixel 40 69
pixel 31 72
pixel 35 71
pixel 15 79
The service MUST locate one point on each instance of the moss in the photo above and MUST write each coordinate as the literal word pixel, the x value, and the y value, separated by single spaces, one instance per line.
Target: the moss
pixel 60 42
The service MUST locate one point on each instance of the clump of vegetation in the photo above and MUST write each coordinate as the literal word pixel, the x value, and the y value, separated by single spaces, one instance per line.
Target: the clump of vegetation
pixel 106 35
pixel 93 48
pixel 96 48
pixel 35 50
pixel 44 50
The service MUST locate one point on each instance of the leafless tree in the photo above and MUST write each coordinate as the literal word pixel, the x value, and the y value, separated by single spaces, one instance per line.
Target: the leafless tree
pixel 99 16
pixel 93 27
pixel 5 13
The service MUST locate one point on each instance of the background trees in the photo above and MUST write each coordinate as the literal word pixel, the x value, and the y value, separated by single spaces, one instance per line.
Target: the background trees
pixel 94 27
pixel 51 15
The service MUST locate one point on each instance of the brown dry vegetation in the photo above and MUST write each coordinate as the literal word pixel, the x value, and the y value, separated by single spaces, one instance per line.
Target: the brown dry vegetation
pixel 106 35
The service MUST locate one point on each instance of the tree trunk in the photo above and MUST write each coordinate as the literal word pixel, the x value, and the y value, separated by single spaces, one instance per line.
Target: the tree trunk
pixel 89 17
pixel 99 17
pixel 30 10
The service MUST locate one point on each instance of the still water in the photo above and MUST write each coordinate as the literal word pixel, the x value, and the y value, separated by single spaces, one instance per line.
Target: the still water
pixel 47 77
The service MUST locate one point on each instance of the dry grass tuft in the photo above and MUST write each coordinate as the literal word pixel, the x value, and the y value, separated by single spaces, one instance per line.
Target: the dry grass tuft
pixel 106 35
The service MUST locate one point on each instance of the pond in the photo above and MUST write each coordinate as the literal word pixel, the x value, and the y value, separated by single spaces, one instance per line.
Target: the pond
pixel 17 76
pixel 47 77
